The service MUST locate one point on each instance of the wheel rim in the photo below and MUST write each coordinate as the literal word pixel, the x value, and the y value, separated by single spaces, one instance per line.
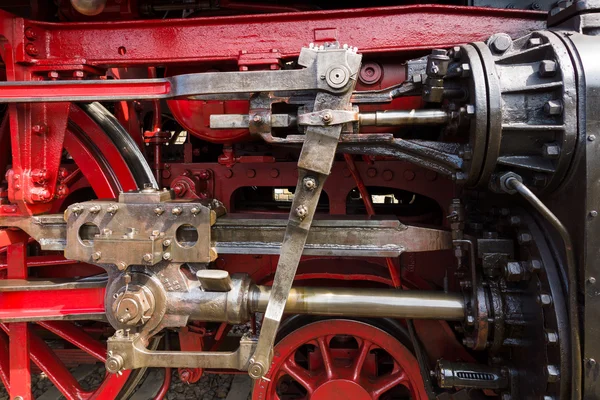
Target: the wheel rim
pixel 341 359
pixel 101 164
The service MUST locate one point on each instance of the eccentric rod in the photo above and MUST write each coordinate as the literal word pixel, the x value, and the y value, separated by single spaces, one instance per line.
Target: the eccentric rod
pixel 379 303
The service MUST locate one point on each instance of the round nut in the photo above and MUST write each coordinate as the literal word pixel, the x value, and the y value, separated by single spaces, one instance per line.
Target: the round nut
pixel 337 76
pixel 114 363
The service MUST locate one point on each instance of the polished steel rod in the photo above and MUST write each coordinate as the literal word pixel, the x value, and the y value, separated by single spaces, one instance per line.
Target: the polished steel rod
pixel 404 117
pixel 378 303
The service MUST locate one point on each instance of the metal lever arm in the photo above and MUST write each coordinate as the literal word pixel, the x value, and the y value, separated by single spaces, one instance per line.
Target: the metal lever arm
pixel 314 165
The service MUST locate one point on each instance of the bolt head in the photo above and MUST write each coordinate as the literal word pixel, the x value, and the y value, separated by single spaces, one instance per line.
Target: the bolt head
pixel 96 255
pixel 148 257
pixel 544 299
pixel 176 210
pixel 524 238
pixel 500 42
pixel 553 107
pixel 465 70
pixel 310 183
pixel 470 109
pixel 534 42
pixel 551 150
pixel 301 211
pixel 166 256
pixel 547 68
pixel 166 242
pixel 552 373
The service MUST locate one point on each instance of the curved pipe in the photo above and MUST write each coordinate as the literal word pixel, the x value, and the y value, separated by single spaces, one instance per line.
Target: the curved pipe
pixel 511 183
pixel 131 153
pixel 89 7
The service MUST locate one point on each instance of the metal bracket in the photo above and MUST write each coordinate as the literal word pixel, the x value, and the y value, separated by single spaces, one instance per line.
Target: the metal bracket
pixel 128 351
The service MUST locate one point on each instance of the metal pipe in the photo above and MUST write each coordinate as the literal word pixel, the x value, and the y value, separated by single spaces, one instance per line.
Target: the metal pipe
pixel 380 303
pixel 404 117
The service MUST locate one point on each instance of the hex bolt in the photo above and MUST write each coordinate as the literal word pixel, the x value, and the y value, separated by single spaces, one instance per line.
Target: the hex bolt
pixel 114 363
pixel 515 220
pixel 551 337
pixel 551 150
pixel 553 373
pixel 176 210
pixel 166 242
pixel 96 255
pixel 514 271
pixel 310 183
pixel 544 299
pixel 465 70
pixel 113 208
pixel 301 211
pixel 159 211
pixel 95 209
pixel 77 209
pixel 553 107
pixel 547 68
pixel 524 238
pixel 500 42
pixel 534 42
pixel 470 109
pixel 148 257
pixel 166 256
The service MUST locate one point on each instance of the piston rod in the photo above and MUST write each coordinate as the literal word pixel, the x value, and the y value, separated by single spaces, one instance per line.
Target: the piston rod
pixel 379 303
pixel 404 117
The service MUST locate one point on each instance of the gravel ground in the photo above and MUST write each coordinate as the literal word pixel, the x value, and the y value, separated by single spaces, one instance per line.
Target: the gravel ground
pixel 209 387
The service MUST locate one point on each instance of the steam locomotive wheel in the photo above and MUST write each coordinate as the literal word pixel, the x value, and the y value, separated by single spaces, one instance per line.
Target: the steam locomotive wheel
pixel 103 167
pixel 341 359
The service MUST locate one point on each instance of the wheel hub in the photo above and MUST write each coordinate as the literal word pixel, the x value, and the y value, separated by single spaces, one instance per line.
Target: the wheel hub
pixel 340 389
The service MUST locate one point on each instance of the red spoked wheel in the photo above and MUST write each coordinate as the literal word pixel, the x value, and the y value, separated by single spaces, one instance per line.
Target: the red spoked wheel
pixel 95 167
pixel 341 359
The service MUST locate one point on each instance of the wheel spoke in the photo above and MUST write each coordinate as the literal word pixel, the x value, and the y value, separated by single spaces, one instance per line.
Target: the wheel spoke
pixel 300 375
pixel 4 360
pixel 385 383
pixel 360 360
pixel 326 355
pixel 77 337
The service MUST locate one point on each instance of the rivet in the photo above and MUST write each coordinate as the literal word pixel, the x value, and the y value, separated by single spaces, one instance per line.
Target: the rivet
pixel 250 173
pixel 592 280
pixel 113 208
pixel 593 213
pixel 159 211
pixel 195 210
pixel 95 209
pixel 591 138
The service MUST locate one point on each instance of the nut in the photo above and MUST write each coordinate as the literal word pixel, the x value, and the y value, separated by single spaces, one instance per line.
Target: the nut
pixel 500 42
pixel 513 271
pixel 166 256
pixel 465 70
pixel 552 373
pixel 301 211
pixel 524 238
pixel 548 68
pixel 95 209
pixel 310 183
pixel 166 242
pixel 551 337
pixel 159 211
pixel 544 299
pixel 113 208
pixel 534 42
pixel 553 107
pixel 176 210
pixel 148 257
pixel 551 150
